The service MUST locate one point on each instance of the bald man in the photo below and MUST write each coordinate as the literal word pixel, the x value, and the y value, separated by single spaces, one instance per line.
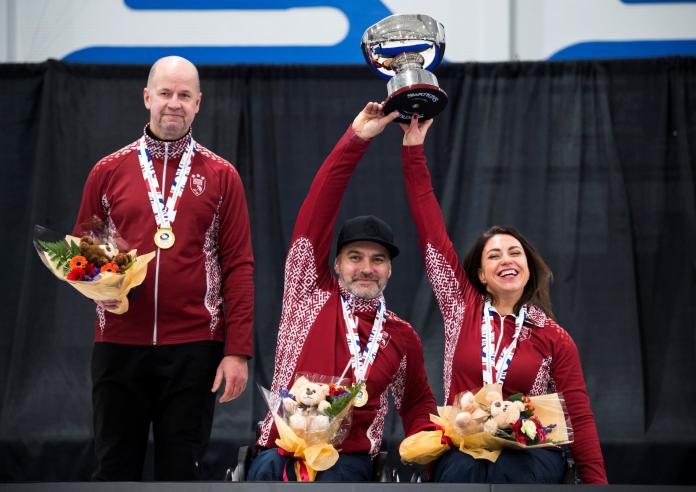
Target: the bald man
pixel 162 361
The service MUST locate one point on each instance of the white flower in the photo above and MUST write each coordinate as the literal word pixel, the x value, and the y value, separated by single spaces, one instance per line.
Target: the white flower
pixel 529 428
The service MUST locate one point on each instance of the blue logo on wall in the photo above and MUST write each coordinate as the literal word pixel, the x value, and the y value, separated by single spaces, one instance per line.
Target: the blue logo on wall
pixel 361 14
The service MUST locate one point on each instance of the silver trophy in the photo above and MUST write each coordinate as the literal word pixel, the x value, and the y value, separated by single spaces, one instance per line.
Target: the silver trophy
pixel 405 48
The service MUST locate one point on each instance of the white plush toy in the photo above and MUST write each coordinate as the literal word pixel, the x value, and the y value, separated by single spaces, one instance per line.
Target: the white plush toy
pixel 504 414
pixel 307 409
pixel 470 418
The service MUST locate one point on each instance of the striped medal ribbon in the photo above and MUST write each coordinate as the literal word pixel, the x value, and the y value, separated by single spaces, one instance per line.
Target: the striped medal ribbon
pixel 488 352
pixel 164 213
pixel 362 361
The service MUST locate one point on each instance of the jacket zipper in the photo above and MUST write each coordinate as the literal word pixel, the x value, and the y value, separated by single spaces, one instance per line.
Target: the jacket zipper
pixel 164 180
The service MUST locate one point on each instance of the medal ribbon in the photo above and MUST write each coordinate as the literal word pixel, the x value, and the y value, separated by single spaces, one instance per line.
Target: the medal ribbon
pixel 362 361
pixel 488 353
pixel 164 214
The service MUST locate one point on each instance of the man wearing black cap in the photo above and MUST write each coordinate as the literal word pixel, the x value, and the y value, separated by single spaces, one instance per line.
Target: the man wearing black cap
pixel 333 323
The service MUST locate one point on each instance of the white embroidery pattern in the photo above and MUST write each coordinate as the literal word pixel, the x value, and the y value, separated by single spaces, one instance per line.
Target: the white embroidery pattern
pixel 106 209
pixel 525 333
pixel 213 274
pixel 302 301
pixel 360 304
pixel 376 430
pixel 543 383
pixel 173 149
pixel 102 320
pixel 131 147
pixel 536 316
pixel 449 296
pixel 398 385
pixel 212 155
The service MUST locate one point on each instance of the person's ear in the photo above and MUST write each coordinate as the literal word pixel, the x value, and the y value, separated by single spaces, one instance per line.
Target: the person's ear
pixel 146 98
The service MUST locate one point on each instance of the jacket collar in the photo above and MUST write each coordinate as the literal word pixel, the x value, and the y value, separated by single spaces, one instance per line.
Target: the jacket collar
pixel 535 315
pixel 360 304
pixel 156 147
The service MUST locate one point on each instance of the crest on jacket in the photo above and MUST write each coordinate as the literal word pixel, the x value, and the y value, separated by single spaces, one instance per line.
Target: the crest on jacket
pixel 197 184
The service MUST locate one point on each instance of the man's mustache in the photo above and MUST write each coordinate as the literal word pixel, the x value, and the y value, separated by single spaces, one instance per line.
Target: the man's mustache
pixel 364 277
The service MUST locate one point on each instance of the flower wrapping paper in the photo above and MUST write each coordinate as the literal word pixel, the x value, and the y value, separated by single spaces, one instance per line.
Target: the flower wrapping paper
pixel 427 445
pixel 108 285
pixel 314 451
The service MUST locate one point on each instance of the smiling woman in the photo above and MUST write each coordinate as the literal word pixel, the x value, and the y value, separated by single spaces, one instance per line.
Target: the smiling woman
pixel 499 329
pixel 505 266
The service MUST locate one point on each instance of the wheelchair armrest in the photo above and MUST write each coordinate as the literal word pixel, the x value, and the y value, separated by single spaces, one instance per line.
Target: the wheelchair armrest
pixel 244 456
pixel 381 472
pixel 571 475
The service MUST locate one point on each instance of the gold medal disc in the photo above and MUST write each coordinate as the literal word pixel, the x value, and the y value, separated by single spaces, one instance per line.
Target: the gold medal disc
pixel 164 238
pixel 361 397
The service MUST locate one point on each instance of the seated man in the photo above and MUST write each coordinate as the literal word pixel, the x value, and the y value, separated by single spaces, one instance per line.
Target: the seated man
pixel 320 313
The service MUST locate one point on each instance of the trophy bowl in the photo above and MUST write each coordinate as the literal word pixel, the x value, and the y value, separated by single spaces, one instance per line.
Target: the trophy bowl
pixel 404 49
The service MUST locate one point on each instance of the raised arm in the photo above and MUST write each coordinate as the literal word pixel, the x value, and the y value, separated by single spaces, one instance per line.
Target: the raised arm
pixel 425 209
pixel 318 213
pixel 441 260
pixel 450 285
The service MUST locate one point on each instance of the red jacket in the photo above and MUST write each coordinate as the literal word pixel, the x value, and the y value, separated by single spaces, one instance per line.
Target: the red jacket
pixel 546 359
pixel 312 332
pixel 210 264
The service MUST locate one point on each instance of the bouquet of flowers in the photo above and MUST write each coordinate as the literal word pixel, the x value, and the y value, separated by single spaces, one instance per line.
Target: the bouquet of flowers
pixel 312 417
pixel 482 425
pixel 98 264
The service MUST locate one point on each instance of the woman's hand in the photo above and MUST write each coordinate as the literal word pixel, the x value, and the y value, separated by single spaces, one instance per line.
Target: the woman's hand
pixel 371 121
pixel 414 132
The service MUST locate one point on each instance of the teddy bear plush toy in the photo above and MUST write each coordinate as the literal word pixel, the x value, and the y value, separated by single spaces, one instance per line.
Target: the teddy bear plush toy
pixel 95 253
pixel 307 408
pixel 504 414
pixel 470 418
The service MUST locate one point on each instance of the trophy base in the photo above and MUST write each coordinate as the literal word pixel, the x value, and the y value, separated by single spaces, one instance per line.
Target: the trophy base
pixel 424 100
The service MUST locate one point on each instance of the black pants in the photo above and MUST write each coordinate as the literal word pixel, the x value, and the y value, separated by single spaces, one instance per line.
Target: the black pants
pixel 271 466
pixel 539 465
pixel 168 386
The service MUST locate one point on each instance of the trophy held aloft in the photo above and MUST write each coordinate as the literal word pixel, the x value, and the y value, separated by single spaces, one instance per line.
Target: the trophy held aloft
pixel 404 49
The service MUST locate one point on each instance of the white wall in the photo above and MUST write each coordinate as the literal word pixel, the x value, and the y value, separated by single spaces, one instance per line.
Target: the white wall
pixel 477 30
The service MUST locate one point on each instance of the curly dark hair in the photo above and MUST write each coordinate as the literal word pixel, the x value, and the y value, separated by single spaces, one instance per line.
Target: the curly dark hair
pixel 536 291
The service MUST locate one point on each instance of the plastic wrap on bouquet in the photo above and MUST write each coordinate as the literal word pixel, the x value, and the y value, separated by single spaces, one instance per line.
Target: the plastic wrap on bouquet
pixel 484 424
pixel 93 264
pixel 313 418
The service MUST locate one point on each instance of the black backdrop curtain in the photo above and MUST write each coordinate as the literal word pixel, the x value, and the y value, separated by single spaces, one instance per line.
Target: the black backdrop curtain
pixel 593 161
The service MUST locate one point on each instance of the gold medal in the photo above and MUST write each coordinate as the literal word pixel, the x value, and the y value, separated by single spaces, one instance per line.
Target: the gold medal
pixel 361 397
pixel 164 238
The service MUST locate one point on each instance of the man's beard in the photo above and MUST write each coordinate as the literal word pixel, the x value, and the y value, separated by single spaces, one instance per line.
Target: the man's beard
pixel 374 292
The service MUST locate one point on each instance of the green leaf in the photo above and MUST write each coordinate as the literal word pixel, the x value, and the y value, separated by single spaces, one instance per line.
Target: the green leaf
pixel 339 403
pixel 75 248
pixel 58 252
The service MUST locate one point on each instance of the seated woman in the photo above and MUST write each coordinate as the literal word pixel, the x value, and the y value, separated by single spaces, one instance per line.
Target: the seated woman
pixel 498 300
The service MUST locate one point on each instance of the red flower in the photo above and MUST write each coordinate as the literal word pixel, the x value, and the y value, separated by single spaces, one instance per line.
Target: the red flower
pixel 89 269
pixel 519 435
pixel 78 262
pixel 109 267
pixel 76 273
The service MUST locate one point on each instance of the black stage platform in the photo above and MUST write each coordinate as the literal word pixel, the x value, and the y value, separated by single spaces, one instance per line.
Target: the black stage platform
pixel 333 487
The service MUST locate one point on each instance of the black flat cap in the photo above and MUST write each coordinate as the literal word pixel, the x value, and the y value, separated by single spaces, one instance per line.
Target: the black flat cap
pixel 367 228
